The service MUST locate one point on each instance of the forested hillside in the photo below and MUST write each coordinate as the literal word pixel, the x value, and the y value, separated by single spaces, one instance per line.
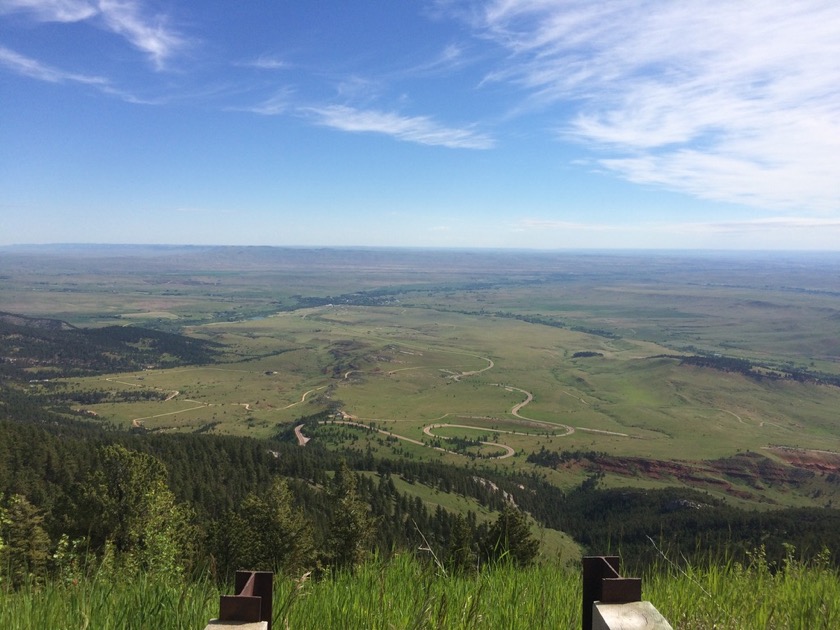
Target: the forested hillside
pixel 231 493
pixel 78 494
pixel 38 348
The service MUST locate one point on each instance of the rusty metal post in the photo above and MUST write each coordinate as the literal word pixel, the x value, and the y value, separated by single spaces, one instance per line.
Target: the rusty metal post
pixel 253 598
pixel 602 583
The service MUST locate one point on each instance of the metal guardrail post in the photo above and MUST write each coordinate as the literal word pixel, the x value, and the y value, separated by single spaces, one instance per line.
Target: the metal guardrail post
pixel 602 583
pixel 253 599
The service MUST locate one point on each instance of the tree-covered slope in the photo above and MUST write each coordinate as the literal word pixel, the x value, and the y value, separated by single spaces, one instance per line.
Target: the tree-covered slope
pixel 34 348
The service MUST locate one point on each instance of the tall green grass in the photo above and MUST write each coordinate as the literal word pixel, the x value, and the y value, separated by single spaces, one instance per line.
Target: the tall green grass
pixel 109 603
pixel 405 593
pixel 752 596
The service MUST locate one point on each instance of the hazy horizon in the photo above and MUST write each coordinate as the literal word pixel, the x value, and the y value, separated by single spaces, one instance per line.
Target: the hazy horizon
pixel 626 251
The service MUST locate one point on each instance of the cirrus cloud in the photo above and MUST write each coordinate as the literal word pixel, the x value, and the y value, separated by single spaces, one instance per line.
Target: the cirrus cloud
pixel 150 34
pixel 730 101
pixel 419 129
pixel 52 10
pixel 35 69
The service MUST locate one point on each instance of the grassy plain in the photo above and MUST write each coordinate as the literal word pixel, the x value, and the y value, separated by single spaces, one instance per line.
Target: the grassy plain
pixel 408 368
pixel 413 341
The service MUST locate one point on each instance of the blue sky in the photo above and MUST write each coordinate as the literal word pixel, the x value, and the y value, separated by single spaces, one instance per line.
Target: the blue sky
pixel 510 123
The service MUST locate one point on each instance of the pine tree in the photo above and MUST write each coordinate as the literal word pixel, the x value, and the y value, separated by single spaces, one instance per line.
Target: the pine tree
pixel 268 532
pixel 135 513
pixel 462 556
pixel 4 521
pixel 24 543
pixel 510 539
pixel 351 527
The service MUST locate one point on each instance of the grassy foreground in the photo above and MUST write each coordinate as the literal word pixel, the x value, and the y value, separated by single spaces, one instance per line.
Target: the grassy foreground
pixel 403 593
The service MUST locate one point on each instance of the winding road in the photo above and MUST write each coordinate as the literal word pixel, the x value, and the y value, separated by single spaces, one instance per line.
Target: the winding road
pixel 428 429
pixel 303 398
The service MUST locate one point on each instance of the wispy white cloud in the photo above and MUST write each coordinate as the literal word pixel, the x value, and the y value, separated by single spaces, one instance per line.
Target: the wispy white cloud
pixel 52 10
pixel 266 62
pixel 150 34
pixel 419 129
pixel 359 89
pixel 37 70
pixel 732 101
pixel 275 105
pixel 452 57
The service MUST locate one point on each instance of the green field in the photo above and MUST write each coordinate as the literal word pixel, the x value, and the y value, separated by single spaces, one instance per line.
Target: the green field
pixel 454 349
pixel 410 369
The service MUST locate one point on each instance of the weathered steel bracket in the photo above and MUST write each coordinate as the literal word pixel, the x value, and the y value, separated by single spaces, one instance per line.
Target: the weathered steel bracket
pixel 253 599
pixel 602 583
